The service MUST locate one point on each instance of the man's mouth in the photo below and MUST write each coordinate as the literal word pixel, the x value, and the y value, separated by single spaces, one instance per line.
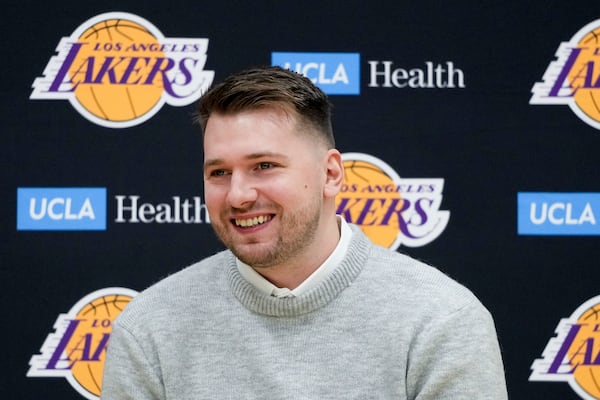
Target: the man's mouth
pixel 252 222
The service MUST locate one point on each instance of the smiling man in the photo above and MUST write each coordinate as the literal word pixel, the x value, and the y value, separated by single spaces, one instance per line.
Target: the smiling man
pixel 270 192
pixel 302 305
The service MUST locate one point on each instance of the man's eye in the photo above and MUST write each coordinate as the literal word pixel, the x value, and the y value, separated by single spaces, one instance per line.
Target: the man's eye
pixel 217 172
pixel 265 165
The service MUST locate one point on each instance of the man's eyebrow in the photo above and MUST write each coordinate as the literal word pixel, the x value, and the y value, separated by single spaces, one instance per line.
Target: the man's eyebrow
pixel 212 162
pixel 252 156
pixel 265 154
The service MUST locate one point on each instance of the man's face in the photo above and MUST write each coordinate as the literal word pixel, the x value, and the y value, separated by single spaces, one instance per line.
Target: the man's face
pixel 264 185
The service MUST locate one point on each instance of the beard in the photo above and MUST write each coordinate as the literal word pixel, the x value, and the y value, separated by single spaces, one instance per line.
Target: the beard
pixel 296 233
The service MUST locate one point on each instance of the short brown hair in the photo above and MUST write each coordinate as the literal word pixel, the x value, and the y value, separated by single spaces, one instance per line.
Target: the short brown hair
pixel 270 87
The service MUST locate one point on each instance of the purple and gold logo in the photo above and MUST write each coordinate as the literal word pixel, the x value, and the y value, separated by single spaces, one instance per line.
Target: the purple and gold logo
pixel 77 348
pixel 118 70
pixel 573 355
pixel 574 78
pixel 390 210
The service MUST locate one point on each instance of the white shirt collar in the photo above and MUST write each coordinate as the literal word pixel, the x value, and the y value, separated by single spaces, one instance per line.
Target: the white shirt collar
pixel 313 280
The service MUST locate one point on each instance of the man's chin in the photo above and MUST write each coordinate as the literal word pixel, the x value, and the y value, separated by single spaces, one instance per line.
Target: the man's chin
pixel 252 255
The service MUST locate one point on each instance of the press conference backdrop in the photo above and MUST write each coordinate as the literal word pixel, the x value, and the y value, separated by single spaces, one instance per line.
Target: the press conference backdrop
pixel 470 133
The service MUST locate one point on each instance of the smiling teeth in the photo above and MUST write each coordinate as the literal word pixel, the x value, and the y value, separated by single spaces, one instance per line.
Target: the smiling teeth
pixel 250 222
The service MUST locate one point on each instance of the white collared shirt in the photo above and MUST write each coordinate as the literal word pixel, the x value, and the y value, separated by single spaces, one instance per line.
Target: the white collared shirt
pixel 314 279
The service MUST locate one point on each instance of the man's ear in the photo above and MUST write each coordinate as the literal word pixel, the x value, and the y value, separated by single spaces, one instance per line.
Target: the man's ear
pixel 334 173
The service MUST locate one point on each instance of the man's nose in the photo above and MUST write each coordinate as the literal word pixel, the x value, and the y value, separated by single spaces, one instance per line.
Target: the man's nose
pixel 242 190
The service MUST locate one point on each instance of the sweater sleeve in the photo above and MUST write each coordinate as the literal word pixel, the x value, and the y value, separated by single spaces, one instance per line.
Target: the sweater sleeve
pixel 128 374
pixel 457 356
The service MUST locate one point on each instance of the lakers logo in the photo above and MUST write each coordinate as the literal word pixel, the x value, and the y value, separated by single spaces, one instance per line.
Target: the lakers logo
pixel 77 348
pixel 118 70
pixel 391 211
pixel 573 356
pixel 574 78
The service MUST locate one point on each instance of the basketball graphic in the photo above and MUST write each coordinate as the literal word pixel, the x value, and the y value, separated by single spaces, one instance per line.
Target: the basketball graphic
pixel 128 52
pixel 76 350
pixel 572 79
pixel 586 96
pixel 96 324
pixel 118 70
pixel 368 178
pixel 390 210
pixel 573 355
pixel 591 315
pixel 587 375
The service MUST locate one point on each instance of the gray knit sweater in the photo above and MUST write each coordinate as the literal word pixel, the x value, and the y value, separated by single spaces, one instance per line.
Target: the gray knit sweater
pixel 381 326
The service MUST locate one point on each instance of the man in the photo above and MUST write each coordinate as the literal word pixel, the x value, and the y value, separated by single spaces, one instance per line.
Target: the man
pixel 302 305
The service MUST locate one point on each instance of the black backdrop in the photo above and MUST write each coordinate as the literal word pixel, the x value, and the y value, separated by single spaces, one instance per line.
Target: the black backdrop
pixel 485 140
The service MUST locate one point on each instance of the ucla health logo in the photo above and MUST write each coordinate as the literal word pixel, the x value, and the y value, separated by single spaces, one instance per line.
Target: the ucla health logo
pixel 390 210
pixel 76 350
pixel 574 78
pixel 334 73
pixel 573 356
pixel 61 209
pixel 118 70
pixel 558 213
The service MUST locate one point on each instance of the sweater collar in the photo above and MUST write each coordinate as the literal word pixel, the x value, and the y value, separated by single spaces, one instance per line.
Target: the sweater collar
pixel 334 259
pixel 320 295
